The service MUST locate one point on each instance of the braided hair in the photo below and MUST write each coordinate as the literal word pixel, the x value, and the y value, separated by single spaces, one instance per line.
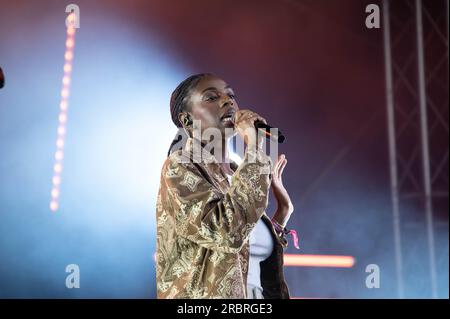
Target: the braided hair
pixel 179 102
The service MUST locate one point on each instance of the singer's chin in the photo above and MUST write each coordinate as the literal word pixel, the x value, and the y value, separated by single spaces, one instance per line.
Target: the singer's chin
pixel 229 125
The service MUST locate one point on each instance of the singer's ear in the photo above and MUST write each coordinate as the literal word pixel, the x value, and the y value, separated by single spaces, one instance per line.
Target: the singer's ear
pixel 184 119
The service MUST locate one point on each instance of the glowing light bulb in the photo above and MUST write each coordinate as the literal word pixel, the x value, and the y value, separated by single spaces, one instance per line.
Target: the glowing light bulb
pixel 67 68
pixel 64 92
pixel 63 118
pixel 55 192
pixel 61 130
pixel 59 155
pixel 56 180
pixel 71 18
pixel 66 80
pixel 63 105
pixel 57 168
pixel 54 205
pixel 69 43
pixel 60 143
pixel 68 56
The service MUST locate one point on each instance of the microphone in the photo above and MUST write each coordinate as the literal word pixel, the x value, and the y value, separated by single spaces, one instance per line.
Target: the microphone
pixel 277 136
pixel 2 79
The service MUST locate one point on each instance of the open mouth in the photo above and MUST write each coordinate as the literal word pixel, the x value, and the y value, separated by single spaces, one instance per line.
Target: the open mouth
pixel 227 118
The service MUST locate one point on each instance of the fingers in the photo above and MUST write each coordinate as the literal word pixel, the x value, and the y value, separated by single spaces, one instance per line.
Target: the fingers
pixel 261 119
pixel 278 161
pixel 247 115
pixel 283 166
pixel 279 165
pixel 241 115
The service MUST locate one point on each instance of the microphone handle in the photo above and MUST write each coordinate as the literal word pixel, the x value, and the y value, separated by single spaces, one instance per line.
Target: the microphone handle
pixel 277 136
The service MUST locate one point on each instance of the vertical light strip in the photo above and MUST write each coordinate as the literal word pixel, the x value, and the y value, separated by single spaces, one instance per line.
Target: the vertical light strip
pixel 425 148
pixel 62 117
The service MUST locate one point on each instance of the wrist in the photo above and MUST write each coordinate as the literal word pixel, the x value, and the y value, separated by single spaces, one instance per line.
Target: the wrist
pixel 281 230
pixel 282 216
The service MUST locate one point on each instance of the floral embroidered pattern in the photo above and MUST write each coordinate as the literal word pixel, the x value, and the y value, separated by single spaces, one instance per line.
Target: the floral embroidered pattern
pixel 216 257
pixel 202 243
pixel 190 181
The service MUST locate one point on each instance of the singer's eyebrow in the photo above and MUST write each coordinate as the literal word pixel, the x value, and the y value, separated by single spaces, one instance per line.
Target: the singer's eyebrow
pixel 212 88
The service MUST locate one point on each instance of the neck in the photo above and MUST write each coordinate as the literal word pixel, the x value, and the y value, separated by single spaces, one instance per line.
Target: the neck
pixel 219 149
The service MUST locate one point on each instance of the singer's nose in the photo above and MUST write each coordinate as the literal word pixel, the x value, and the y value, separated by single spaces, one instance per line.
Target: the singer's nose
pixel 228 102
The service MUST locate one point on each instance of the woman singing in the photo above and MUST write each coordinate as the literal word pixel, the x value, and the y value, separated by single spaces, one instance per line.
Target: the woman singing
pixel 214 239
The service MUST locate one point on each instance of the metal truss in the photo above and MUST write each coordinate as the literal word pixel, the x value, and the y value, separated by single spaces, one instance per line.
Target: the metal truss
pixel 416 68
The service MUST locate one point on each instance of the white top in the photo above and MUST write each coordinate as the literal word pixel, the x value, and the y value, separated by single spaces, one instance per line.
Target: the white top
pixel 261 247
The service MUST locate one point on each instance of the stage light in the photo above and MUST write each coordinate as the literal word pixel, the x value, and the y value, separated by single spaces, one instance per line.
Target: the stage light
pixel 56 180
pixel 71 18
pixel 67 68
pixel 61 130
pixel 60 143
pixel 68 55
pixel 66 80
pixel 69 43
pixel 63 105
pixel 59 155
pixel 64 92
pixel 55 192
pixel 301 260
pixel 54 205
pixel 57 168
pixel 62 117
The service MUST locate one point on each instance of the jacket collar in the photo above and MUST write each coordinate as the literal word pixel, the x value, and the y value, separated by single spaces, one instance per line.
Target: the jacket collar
pixel 197 152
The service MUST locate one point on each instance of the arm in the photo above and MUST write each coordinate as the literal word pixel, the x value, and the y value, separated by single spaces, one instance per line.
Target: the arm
pixel 206 216
pixel 284 204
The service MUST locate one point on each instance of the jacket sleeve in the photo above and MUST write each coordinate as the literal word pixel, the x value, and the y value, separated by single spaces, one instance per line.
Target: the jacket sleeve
pixel 208 217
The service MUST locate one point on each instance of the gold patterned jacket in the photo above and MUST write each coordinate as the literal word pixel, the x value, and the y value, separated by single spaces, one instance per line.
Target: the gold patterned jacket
pixel 203 226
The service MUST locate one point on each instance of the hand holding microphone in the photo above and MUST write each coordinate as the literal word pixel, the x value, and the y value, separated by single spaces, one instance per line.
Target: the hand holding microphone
pixel 246 120
pixel 244 123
